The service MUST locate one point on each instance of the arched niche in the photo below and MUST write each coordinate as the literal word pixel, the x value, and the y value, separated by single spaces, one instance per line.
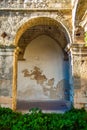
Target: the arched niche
pixel 56 32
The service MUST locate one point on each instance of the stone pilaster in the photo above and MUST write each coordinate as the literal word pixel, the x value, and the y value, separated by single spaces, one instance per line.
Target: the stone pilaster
pixel 14 83
pixel 79 57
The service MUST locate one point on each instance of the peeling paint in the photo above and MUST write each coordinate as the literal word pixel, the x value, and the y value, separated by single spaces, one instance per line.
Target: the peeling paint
pixel 35 74
pixel 60 91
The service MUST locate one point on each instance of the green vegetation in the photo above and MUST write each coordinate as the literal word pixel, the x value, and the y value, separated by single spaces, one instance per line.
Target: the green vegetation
pixel 85 38
pixel 75 119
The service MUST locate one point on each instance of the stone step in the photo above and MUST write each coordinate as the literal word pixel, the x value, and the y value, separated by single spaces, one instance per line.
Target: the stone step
pixel 50 105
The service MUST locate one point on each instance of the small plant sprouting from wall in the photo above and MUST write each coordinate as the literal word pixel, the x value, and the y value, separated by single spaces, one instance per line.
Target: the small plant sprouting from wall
pixel 85 38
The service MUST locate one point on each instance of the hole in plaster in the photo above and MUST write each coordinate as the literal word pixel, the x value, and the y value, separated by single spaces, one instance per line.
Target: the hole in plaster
pixel 49 27
pixel 82 61
pixel 78 34
pixel 4 34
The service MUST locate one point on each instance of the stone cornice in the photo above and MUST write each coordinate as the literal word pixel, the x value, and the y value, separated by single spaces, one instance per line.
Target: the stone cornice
pixel 65 10
pixel 79 49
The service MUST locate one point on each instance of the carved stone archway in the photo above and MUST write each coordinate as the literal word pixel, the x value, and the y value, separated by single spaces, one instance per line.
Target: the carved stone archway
pixel 35 21
pixel 39 21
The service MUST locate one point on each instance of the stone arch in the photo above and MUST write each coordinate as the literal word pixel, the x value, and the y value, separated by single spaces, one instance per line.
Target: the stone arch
pixel 79 20
pixel 47 21
pixel 74 5
pixel 41 21
pixel 81 7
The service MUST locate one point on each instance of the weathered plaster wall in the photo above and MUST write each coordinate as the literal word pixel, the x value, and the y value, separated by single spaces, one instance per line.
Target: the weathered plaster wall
pixel 14 24
pixel 15 18
pixel 35 4
pixel 80 82
pixel 79 53
pixel 42 74
pixel 80 76
pixel 6 70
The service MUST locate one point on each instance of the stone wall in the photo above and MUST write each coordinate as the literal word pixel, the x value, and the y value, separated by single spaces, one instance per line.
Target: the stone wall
pixel 12 22
pixel 35 4
pixel 6 76
pixel 18 16
pixel 15 22
pixel 80 75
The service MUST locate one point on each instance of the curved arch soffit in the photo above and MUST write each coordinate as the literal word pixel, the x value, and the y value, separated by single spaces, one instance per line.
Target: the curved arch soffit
pixel 41 21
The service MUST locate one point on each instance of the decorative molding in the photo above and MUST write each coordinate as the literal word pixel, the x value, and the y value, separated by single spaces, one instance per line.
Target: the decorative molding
pixel 35 4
